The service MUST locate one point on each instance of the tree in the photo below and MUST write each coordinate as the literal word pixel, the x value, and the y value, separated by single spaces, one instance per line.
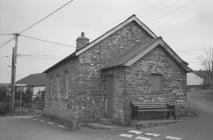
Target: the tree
pixel 207 63
pixel 38 101
pixel 4 100
pixel 27 98
pixel 3 93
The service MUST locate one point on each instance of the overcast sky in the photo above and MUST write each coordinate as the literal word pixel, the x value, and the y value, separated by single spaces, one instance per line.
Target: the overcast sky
pixel 186 25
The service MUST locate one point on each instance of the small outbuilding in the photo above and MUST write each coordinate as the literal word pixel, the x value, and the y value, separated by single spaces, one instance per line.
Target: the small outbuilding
pixel 33 82
pixel 194 81
pixel 103 77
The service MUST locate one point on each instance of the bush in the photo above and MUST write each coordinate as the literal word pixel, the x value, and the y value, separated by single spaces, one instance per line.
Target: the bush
pixel 4 100
pixel 4 108
pixel 38 101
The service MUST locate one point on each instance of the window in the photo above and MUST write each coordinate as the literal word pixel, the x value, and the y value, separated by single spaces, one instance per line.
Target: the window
pixel 51 88
pixel 66 84
pixel 156 83
pixel 57 86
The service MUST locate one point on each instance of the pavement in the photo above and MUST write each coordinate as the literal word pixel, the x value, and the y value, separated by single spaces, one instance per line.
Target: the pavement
pixel 198 128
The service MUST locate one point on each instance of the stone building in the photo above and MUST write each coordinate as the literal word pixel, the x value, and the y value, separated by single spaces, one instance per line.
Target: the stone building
pixel 102 77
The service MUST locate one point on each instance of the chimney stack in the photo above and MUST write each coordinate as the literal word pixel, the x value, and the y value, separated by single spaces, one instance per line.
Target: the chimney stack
pixel 81 42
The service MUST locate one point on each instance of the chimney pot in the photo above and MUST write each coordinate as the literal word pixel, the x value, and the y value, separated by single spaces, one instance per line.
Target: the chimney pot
pixel 81 42
pixel 82 34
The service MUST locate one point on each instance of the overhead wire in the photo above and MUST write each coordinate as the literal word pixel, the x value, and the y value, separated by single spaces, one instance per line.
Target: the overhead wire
pixel 5 56
pixel 118 19
pixel 158 9
pixel 56 43
pixel 58 10
pixel 38 56
pixel 159 5
pixel 53 12
pixel 5 43
pixel 172 11
pixel 46 16
pixel 6 34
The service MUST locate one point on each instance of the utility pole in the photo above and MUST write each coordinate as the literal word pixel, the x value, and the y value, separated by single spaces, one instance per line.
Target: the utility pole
pixel 13 73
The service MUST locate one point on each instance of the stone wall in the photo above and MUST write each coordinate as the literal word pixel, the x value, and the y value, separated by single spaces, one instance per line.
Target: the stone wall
pixel 86 86
pixel 138 80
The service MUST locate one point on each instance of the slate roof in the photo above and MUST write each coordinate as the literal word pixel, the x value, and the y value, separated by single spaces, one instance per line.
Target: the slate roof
pixel 129 54
pixel 37 79
pixel 68 58
pixel 124 57
pixel 135 53
pixel 116 28
pixel 100 38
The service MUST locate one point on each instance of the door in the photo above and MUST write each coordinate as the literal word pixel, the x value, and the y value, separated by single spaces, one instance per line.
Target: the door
pixel 109 92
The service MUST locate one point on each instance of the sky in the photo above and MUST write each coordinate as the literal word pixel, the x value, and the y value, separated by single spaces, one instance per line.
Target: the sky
pixel 186 25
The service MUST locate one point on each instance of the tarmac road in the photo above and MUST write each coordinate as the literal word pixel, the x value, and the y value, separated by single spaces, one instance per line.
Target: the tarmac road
pixel 198 128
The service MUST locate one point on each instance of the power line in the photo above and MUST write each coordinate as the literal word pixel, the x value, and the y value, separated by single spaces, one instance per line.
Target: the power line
pixel 6 34
pixel 5 43
pixel 43 55
pixel 38 57
pixel 150 12
pixel 46 16
pixel 23 55
pixel 172 11
pixel 56 43
pixel 158 10
pixel 38 23
pixel 5 56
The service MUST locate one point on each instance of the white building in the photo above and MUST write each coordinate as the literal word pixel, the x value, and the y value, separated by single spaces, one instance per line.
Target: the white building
pixel 194 81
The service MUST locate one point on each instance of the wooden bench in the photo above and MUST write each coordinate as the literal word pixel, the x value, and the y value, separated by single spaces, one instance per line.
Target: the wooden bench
pixel 140 106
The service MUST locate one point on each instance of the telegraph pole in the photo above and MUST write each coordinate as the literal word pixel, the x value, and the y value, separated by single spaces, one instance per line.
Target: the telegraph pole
pixel 13 72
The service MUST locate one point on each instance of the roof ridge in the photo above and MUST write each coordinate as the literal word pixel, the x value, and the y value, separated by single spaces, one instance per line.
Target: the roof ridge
pixel 109 30
pixel 105 35
pixel 133 17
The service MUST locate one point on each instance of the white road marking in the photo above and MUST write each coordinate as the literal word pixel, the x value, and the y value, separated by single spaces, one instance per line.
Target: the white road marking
pixel 126 135
pixel 41 121
pixel 134 131
pixel 142 138
pixel 152 134
pixel 61 126
pixel 50 123
pixel 173 138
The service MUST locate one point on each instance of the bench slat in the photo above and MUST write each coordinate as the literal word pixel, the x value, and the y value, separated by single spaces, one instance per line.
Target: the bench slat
pixel 139 106
pixel 153 110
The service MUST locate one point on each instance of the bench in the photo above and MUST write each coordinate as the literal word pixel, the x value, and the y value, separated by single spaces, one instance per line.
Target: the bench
pixel 140 106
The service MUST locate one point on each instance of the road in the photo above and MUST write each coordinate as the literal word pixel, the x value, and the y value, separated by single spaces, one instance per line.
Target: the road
pixel 198 128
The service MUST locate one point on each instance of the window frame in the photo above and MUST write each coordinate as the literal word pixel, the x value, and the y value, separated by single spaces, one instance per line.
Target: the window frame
pixel 57 86
pixel 160 90
pixel 66 79
pixel 51 88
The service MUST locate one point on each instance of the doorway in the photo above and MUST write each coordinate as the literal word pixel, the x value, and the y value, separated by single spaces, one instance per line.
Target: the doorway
pixel 109 93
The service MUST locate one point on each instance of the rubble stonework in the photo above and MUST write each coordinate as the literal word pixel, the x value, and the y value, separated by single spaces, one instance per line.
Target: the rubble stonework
pixel 138 80
pixel 87 95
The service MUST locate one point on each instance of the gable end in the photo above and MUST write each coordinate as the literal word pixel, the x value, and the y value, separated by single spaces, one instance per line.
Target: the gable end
pixel 166 48
pixel 113 30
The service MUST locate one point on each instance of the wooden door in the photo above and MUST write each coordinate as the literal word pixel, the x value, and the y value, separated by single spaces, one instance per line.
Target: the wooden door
pixel 109 92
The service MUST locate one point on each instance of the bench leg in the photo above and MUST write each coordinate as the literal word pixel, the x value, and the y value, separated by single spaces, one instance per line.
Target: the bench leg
pixel 174 115
pixel 168 114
